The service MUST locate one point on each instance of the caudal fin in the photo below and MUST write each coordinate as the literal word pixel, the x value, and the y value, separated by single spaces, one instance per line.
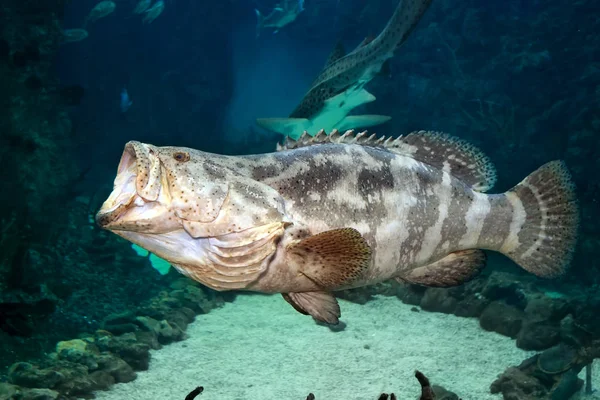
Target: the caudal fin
pixel 543 231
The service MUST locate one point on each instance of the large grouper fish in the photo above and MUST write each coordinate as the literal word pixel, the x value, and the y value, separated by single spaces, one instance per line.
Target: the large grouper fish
pixel 338 211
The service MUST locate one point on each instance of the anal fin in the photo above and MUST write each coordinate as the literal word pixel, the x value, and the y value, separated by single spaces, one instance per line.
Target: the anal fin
pixel 322 306
pixel 453 270
pixel 332 259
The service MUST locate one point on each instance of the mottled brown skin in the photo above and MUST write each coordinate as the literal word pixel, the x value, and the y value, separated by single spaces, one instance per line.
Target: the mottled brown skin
pixel 380 212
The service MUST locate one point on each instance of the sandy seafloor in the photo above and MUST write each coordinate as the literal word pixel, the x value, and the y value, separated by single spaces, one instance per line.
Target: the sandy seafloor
pixel 260 348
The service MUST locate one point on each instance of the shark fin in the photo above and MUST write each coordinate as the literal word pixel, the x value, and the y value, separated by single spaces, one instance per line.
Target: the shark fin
pixel 292 127
pixel 368 39
pixel 362 121
pixel 338 52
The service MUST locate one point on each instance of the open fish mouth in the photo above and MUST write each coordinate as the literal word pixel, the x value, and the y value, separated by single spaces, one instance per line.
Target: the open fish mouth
pixel 133 176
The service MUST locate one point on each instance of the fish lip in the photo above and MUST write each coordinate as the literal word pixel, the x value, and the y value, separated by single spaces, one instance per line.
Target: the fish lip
pixel 128 157
pixel 120 200
pixel 105 217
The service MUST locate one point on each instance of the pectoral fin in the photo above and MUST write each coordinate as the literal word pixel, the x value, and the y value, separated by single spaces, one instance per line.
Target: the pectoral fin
pixel 332 259
pixel 453 270
pixel 322 306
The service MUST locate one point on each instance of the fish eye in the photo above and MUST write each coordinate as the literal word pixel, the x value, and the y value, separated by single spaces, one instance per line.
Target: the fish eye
pixel 181 156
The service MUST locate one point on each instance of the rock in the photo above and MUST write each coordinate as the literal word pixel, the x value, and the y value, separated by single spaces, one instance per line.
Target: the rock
pixel 77 351
pixel 538 335
pixel 571 333
pixel 101 380
pixel 28 375
pixel 503 286
pixel 119 318
pixel 117 368
pixel 502 318
pixel 120 329
pixel 8 391
pixel 411 294
pixel 543 308
pixel 193 298
pixel 149 338
pixel 120 323
pixel 38 394
pixel 189 314
pixel 179 318
pixel 128 348
pixel 471 307
pixel 148 324
pixel 181 283
pixel 515 384
pixel 168 333
pixel 586 316
pixel 77 381
pixel 438 300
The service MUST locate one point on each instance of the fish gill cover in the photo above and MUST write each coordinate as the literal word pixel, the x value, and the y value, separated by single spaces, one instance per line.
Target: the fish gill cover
pixel 517 79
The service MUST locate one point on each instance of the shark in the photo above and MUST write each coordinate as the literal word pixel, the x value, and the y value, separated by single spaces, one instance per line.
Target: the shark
pixel 283 14
pixel 339 88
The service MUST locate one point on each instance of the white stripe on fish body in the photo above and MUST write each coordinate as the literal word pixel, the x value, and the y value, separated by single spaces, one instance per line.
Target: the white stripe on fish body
pixel 518 219
pixel 433 235
pixel 474 219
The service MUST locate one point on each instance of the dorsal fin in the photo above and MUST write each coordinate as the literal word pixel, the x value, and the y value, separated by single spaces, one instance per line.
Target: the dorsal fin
pixel 460 158
pixel 338 52
pixel 368 39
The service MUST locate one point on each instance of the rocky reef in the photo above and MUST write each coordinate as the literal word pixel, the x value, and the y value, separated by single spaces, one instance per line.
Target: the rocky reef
pixel 95 361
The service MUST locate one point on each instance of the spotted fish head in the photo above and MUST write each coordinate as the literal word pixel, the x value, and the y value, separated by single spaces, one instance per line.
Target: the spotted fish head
pixel 186 205
pixel 141 200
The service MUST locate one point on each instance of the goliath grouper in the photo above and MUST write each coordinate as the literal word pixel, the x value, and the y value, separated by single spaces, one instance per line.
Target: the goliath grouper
pixel 333 212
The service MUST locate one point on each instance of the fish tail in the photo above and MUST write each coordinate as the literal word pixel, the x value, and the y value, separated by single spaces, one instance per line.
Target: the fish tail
pixel 545 218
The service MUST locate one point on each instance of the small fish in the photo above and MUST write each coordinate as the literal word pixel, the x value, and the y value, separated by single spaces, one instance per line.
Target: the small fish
pixel 338 211
pixel 282 15
pixel 74 35
pixel 125 102
pixel 142 6
pixel 153 12
pixel 101 10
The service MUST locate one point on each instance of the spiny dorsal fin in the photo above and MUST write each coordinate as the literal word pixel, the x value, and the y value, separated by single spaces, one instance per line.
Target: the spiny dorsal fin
pixel 461 159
